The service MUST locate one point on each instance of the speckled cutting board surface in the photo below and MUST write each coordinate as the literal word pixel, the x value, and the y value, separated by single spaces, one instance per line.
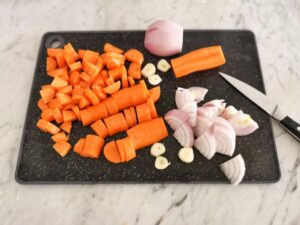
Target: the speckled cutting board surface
pixel 39 163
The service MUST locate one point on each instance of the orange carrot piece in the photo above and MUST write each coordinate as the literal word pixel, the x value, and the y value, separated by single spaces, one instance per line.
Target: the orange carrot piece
pixel 147 133
pixel 56 112
pixel 116 73
pixel 131 81
pixel 128 146
pixel 113 88
pixel 68 58
pixel 74 78
pixel 99 81
pixel 142 82
pixel 63 98
pixel 59 72
pixel 97 111
pixel 100 63
pixel 70 50
pixel 111 105
pixel 123 98
pixel 121 150
pixel 46 126
pixel 62 148
pixel 61 62
pixel 124 77
pixel 77 94
pixel 111 48
pixel 53 51
pixel 46 87
pixel 66 90
pixel 91 69
pixel 143 112
pixel 116 123
pixel 42 105
pixel 111 57
pixel 133 114
pixel 111 152
pixel 81 53
pixel 84 84
pixel 91 96
pixel 135 70
pixel 47 94
pixel 154 93
pixel 128 117
pixel 76 110
pixel 69 115
pixel 92 146
pixel 86 117
pixel 66 126
pixel 134 55
pixel 98 90
pixel 90 56
pixel 84 102
pixel 47 115
pixel 152 108
pixel 138 94
pixel 68 106
pixel 75 66
pixel 51 64
pixel 60 137
pixel 78 147
pixel 54 103
pixel 100 129
pixel 104 74
pixel 109 81
pixel 59 83
pixel 113 63
pixel 87 78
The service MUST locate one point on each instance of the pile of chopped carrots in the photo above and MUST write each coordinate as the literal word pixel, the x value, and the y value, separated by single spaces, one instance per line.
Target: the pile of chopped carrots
pixel 98 90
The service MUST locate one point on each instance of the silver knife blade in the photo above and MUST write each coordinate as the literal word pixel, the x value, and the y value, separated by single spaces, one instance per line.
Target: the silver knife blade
pixel 260 99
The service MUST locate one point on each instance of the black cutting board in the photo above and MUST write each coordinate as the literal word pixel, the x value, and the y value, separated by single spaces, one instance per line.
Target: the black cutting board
pixel 39 163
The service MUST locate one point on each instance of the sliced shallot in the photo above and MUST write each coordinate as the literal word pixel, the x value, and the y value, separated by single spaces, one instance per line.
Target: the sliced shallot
pixel 243 124
pixel 225 139
pixel 229 112
pixel 206 144
pixel 175 118
pixel 182 97
pixel 208 112
pixel 217 103
pixel 203 124
pixel 191 109
pixel 184 135
pixel 198 92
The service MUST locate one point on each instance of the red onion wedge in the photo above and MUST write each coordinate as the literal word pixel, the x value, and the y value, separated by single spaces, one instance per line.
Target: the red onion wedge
pixel 229 112
pixel 243 124
pixel 198 92
pixel 206 144
pixel 234 169
pixel 219 121
pixel 184 135
pixel 191 109
pixel 217 103
pixel 208 112
pixel 225 139
pixel 175 118
pixel 164 38
pixel 202 126
pixel 182 97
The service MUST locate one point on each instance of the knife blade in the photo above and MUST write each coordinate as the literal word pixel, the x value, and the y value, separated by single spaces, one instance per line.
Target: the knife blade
pixel 265 103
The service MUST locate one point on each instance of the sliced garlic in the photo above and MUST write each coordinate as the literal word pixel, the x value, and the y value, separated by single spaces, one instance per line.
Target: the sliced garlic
pixel 157 149
pixel 161 163
pixel 148 70
pixel 154 79
pixel 186 155
pixel 163 65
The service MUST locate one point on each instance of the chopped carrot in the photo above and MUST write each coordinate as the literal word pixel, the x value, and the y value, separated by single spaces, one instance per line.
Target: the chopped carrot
pixel 68 106
pixel 86 117
pixel 128 117
pixel 74 78
pixel 91 96
pixel 134 55
pixel 62 148
pixel 60 137
pixel 128 146
pixel 121 150
pixel 59 83
pixel 111 48
pixel 113 88
pixel 84 102
pixel 116 123
pixel 98 90
pixel 51 64
pixel 138 94
pixel 78 147
pixel 100 128
pixel 69 49
pixel 116 73
pixel 142 82
pixel 87 78
pixel 53 51
pixel 47 94
pixel 54 103
pixel 68 58
pixel 56 112
pixel 46 126
pixel 143 112
pixel 152 108
pixel 91 69
pixel 113 63
pixel 131 81
pixel 65 77
pixel 97 111
pixel 147 133
pixel 75 66
pixel 63 98
pixel 66 126
pixel 124 77
pixel 47 86
pixel 77 94
pixel 63 71
pixel 76 110
pixel 111 152
pixel 99 81
pixel 69 115
pixel 42 105
pixel 47 115
pixel 92 146
pixel 123 98
pixel 111 59
pixel 109 81
pixel 154 93
pixel 90 56
pixel 81 53
pixel 61 62
pixel 133 114
pixel 84 84
pixel 100 63
pixel 111 105
pixel 104 74
pixel 135 70
pixel 66 90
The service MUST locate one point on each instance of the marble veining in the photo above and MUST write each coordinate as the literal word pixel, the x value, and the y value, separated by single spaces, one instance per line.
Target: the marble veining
pixel 276 25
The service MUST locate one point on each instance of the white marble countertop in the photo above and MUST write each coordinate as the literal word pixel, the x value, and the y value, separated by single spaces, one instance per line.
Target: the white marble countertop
pixel 22 23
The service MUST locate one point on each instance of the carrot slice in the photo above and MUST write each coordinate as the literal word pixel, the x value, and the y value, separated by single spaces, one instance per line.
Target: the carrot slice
pixel 70 49
pixel 59 72
pixel 77 94
pixel 60 137
pixel 92 146
pixel 147 133
pixel 63 98
pixel 143 112
pixel 97 111
pixel 87 78
pixel 98 90
pixel 51 64
pixel 46 126
pixel 100 129
pixel 60 59
pixel 111 48
pixel 135 70
pixel 66 126
pixel 113 88
pixel 111 152
pixel 47 94
pixel 84 84
pixel 154 93
pixel 59 83
pixel 69 115
pixel 84 102
pixel 86 117
pixel 128 117
pixel 124 77
pixel 53 51
pixel 104 74
pixel 111 59
pixel 75 66
pixel 68 58
pixel 91 69
pixel 109 81
pixel 121 150
pixel 111 105
pixel 78 147
pixel 131 81
pixel 91 96
pixel 76 110
pixel 66 90
pixel 90 56
pixel 68 106
pixel 133 114
pixel 116 123
pixel 129 148
pixel 62 148
pixel 99 81
pixel 152 108
pixel 47 115
pixel 116 73
pixel 74 78
pixel 81 53
pixel 123 98
pixel 54 103
pixel 42 105
pixel 142 82
pixel 138 94
pixel 134 55
pixel 56 112
pixel 100 63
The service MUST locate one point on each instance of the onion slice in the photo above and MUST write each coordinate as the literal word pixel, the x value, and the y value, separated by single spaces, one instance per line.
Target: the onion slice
pixel 202 126
pixel 191 109
pixel 175 118
pixel 217 103
pixel 229 112
pixel 206 144
pixel 234 169
pixel 184 135
pixel 198 92
pixel 225 139
pixel 208 112
pixel 243 124
pixel 182 97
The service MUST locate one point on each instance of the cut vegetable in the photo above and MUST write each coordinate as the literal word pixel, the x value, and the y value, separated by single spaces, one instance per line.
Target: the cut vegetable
pixel 217 103
pixel 47 115
pixel 243 124
pixel 157 149
pixel 111 152
pixel 148 70
pixel 68 115
pixel 113 88
pixel 225 139
pixel 161 163
pixel 90 56
pixel 42 105
pixel 116 123
pixel 163 65
pixel 47 94
pixel 100 129
pixel 98 111
pixel 182 97
pixel 131 81
pixel 184 135
pixel 190 108
pixel 60 137
pixel 53 51
pixel 186 155
pixel 135 70
pixel 154 79
pixel 62 148
pixel 206 144
pixel 47 127
pixel 152 108
pixel 154 93
pixel 111 106
pixel 175 118
pixel 229 112
pixel 91 96
pixel 111 48
pixel 202 126
pixel 78 147
pixel 51 64
pixel 134 55
pixel 66 126
pixel 92 146
pixel 207 112
pixel 57 114
pixel 199 93
pixel 143 112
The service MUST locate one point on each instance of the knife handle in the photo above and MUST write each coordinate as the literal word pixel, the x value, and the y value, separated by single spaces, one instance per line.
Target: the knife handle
pixel 291 126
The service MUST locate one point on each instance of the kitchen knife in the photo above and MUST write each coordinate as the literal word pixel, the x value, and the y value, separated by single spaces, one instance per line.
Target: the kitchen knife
pixel 267 104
